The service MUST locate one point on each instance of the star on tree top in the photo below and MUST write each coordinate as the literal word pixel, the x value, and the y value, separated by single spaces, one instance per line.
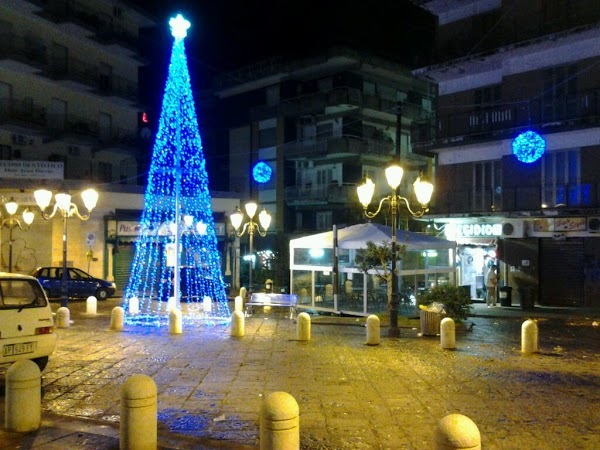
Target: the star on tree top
pixel 179 26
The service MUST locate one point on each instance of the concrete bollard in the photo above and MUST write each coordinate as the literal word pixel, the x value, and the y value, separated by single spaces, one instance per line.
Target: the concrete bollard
pixel 237 324
pixel 171 303
pixel 447 333
pixel 134 306
pixel 63 317
pixel 243 293
pixel 456 431
pixel 91 305
pixel 207 305
pixel 303 327
pixel 279 422
pixel 175 320
pixel 373 330
pixel 138 430
pixel 23 397
pixel 238 304
pixel 116 318
pixel 529 337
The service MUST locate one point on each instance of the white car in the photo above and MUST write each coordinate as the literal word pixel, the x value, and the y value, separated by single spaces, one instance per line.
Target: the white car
pixel 26 323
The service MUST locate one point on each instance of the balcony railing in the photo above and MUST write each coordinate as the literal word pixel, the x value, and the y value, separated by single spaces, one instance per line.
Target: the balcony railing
pixel 521 198
pixel 106 30
pixel 320 194
pixel 338 145
pixel 33 52
pixel 498 122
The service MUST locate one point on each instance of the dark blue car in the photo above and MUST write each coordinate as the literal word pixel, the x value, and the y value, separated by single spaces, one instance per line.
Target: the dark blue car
pixel 79 283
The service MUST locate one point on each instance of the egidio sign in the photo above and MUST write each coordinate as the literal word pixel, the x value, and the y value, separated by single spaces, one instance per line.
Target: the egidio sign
pixel 478 229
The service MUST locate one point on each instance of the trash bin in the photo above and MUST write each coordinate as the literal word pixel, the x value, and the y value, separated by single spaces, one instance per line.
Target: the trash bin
pixel 430 322
pixel 505 294
pixel 527 298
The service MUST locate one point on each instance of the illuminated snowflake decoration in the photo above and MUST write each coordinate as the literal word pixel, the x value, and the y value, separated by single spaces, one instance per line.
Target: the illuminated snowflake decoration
pixel 529 146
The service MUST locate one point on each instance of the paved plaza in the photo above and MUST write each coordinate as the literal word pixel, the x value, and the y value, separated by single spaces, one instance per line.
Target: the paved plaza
pixel 350 395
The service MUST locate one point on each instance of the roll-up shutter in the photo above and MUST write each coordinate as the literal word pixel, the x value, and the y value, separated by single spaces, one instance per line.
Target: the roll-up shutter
pixel 562 275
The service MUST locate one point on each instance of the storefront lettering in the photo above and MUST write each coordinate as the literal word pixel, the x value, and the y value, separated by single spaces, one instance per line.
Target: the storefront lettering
pixel 479 229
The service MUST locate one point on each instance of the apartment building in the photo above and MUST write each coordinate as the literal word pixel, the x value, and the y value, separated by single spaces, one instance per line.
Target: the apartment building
pixel 516 137
pixel 299 135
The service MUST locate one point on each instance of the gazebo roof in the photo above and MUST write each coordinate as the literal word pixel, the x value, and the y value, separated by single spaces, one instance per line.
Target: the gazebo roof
pixel 356 236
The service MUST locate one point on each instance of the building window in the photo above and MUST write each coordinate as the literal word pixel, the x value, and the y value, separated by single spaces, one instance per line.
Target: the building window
pixel 560 93
pixel 267 137
pixel 561 180
pixel 272 95
pixel 104 171
pixel 324 220
pixel 486 187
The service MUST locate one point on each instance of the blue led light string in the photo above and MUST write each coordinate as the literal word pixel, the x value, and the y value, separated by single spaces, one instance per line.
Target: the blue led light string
pixel 177 187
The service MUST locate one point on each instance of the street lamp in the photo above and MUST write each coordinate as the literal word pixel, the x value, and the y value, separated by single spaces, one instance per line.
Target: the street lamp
pixel 251 226
pixel 66 208
pixel 423 190
pixel 11 222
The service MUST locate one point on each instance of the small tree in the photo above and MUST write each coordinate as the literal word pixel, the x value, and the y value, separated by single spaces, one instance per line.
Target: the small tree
pixel 378 258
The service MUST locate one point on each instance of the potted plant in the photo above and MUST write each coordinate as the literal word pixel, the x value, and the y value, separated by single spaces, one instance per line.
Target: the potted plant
pixel 456 300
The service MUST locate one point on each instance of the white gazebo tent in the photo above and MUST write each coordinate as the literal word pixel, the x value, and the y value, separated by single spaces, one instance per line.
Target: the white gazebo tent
pixel 427 261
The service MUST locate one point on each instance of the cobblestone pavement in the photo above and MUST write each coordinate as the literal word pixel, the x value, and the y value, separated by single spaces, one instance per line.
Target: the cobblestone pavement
pixel 351 396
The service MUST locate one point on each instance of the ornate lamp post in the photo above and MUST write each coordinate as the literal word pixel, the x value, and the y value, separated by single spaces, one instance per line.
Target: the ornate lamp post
pixel 11 222
pixel 264 218
pixel 423 190
pixel 66 208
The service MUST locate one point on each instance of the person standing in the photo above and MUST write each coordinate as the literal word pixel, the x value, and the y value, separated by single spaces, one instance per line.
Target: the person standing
pixel 491 283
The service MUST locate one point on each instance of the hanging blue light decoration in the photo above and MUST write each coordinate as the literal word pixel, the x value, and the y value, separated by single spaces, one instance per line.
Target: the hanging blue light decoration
pixel 177 229
pixel 262 172
pixel 528 146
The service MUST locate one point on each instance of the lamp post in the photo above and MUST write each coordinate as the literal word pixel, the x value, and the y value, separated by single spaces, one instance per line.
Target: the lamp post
pixel 11 222
pixel 66 208
pixel 423 190
pixel 264 218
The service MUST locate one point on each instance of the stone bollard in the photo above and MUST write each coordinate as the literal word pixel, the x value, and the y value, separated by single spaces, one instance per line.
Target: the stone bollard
pixel 23 397
pixel 134 306
pixel 303 327
pixel 243 293
pixel 448 333
pixel 279 422
pixel 91 305
pixel 175 321
pixel 455 432
pixel 238 303
pixel 207 305
pixel 237 324
pixel 529 337
pixel 138 430
pixel 116 318
pixel 373 330
pixel 63 317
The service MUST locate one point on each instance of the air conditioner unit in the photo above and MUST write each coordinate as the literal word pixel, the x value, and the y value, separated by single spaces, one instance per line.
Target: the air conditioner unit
pixel 593 224
pixel 513 229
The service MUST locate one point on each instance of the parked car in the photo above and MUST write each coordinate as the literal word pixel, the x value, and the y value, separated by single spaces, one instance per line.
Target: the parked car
pixel 79 283
pixel 26 324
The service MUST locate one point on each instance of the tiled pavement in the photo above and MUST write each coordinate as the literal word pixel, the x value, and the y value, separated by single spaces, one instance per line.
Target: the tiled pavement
pixel 351 396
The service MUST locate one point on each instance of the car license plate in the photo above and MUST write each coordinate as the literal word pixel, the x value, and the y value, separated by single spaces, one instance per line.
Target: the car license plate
pixel 19 349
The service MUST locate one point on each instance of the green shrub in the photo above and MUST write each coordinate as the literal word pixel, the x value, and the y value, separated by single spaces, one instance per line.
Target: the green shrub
pixel 456 300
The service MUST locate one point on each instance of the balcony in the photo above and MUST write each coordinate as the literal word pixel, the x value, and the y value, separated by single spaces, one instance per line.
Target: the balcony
pixel 32 51
pixel 522 198
pixel 320 195
pixel 502 122
pixel 107 32
pixel 338 146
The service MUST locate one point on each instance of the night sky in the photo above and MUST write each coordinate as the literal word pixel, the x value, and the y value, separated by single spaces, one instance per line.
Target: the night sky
pixel 228 34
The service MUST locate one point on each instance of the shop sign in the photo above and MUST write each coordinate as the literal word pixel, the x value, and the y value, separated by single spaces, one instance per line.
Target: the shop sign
pixel 479 230
pixel 31 169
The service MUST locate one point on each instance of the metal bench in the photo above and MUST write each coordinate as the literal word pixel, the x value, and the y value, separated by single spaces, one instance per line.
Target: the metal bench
pixel 280 300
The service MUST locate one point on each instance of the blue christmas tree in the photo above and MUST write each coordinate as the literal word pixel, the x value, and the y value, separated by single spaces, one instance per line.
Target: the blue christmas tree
pixel 176 262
